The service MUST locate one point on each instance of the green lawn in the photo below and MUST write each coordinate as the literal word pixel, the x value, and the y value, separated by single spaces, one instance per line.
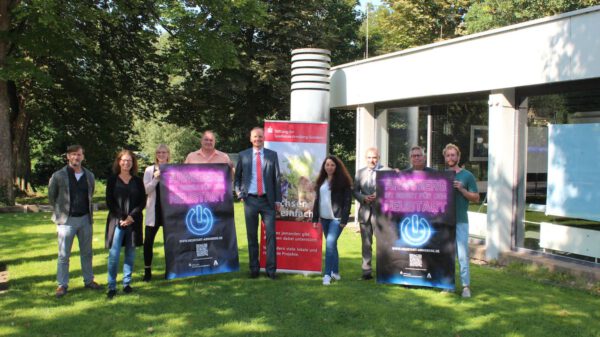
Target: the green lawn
pixel 41 195
pixel 505 303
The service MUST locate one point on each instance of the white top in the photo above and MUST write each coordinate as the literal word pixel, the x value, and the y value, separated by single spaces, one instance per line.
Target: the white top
pixel 150 183
pixel 325 210
pixel 78 175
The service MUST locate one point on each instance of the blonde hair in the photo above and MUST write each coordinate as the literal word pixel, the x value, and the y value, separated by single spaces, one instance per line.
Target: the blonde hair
pixel 451 146
pixel 164 147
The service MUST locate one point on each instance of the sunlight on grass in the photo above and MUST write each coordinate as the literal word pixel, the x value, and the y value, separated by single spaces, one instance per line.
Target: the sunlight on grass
pixel 506 301
pixel 239 327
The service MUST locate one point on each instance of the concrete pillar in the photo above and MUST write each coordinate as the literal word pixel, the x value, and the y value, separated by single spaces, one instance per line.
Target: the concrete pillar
pixel 382 136
pixel 309 99
pixel 412 118
pixel 506 173
pixel 366 131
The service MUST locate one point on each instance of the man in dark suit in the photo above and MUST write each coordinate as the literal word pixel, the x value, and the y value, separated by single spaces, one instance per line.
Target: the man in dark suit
pixel 257 185
pixel 364 192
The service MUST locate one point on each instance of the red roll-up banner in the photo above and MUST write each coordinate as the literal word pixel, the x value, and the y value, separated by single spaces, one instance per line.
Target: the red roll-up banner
pixel 301 148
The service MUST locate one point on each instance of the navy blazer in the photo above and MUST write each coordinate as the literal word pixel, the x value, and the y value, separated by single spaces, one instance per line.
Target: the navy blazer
pixel 243 174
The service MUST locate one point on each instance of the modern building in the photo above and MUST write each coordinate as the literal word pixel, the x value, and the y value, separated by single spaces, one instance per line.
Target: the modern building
pixel 496 94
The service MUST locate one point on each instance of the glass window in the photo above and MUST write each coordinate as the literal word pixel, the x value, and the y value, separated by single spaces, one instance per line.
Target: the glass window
pixel 559 105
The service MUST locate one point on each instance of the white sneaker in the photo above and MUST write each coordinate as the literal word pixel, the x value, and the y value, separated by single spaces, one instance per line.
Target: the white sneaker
pixel 466 293
pixel 336 277
pixel 326 280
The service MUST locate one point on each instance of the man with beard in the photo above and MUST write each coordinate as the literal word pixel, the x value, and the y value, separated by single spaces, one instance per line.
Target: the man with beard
pixel 465 191
pixel 70 192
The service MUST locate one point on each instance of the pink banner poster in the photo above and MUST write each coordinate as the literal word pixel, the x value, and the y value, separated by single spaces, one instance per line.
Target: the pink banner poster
pixel 199 230
pixel 301 148
pixel 415 228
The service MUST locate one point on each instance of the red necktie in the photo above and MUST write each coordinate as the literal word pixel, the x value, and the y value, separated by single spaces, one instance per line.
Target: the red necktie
pixel 259 181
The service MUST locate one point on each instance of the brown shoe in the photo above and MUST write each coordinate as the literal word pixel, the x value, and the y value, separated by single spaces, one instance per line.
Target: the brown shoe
pixel 61 291
pixel 93 285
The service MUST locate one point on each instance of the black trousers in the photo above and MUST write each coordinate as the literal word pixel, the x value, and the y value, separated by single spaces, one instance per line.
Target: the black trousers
pixel 253 207
pixel 150 235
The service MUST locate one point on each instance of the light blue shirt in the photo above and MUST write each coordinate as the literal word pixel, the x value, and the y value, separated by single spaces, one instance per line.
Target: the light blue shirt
pixel 253 188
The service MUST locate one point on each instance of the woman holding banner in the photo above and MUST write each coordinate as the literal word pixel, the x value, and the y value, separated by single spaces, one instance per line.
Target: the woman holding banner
pixel 154 217
pixel 332 210
pixel 125 198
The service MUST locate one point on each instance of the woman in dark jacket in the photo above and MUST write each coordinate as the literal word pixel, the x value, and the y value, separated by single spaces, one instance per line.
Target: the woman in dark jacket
pixel 125 198
pixel 332 209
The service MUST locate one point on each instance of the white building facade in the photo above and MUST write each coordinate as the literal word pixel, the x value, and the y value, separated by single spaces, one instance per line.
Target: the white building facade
pixel 492 93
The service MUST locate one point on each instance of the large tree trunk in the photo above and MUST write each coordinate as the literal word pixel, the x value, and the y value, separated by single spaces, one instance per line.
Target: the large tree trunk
pixel 20 139
pixel 7 194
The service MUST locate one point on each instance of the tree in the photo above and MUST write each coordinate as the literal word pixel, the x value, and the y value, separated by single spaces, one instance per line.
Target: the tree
pixel 231 99
pixel 79 71
pixel 149 134
pixel 400 24
pixel 6 170
pixel 489 14
pixel 75 73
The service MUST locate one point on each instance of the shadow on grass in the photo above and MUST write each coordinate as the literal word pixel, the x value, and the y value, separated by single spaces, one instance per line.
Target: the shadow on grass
pixel 294 305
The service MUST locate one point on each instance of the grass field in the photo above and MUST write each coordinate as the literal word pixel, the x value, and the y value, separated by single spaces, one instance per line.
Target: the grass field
pixel 505 302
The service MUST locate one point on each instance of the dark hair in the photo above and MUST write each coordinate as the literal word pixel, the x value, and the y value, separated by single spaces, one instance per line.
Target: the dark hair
pixel 75 148
pixel 341 177
pixel 134 166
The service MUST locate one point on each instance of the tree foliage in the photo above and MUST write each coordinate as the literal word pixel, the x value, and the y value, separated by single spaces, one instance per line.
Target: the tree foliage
pixel 402 24
pixel 150 133
pixel 83 71
pixel 79 70
pixel 230 100
pixel 489 14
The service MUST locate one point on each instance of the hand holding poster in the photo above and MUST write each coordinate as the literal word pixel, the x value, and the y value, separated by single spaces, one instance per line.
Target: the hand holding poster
pixel 415 228
pixel 198 216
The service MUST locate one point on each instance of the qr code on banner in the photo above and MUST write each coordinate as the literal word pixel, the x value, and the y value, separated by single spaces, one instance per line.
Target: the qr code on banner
pixel 202 249
pixel 416 260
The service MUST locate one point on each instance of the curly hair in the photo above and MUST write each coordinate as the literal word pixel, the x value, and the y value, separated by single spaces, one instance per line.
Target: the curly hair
pixel 341 177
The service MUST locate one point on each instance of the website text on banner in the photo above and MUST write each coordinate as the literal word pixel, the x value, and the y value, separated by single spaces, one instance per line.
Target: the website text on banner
pixel 199 227
pixel 415 228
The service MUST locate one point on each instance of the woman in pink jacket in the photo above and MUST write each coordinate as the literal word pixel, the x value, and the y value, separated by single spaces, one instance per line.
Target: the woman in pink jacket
pixel 154 218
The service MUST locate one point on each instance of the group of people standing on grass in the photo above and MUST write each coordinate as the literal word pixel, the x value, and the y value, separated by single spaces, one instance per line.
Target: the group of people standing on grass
pixel 465 191
pixel 71 190
pixel 256 182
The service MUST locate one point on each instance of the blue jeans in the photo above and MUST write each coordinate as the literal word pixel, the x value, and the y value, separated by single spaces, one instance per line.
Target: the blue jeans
pixel 82 228
pixel 462 252
pixel 113 259
pixel 331 232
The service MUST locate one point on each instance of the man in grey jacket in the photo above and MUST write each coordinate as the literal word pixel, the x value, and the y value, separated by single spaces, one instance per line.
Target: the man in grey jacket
pixel 364 192
pixel 70 192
